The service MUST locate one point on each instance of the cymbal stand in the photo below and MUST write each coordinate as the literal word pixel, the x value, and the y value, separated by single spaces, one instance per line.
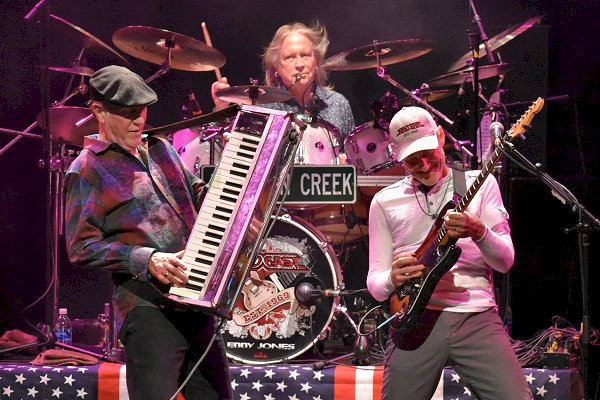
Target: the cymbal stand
pixel 80 89
pixel 381 73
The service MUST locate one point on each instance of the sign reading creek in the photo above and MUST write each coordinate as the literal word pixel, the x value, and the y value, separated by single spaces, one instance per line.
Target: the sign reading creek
pixel 321 184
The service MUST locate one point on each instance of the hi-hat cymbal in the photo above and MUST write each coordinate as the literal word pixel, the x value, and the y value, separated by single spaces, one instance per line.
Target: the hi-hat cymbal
pixel 152 45
pixel 466 75
pixel 253 94
pixel 428 96
pixel 497 41
pixel 390 52
pixel 62 124
pixel 85 39
pixel 85 71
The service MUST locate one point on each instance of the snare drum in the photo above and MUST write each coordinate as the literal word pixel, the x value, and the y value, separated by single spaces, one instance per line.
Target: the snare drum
pixel 372 152
pixel 340 223
pixel 268 325
pixel 194 145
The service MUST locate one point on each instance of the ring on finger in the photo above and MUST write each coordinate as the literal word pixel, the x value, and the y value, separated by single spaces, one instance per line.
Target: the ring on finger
pixel 166 274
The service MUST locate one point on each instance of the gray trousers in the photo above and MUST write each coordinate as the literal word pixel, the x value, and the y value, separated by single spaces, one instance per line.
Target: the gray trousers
pixel 474 344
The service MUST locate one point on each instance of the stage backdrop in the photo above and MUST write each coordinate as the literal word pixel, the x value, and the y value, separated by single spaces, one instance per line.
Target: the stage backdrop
pixel 557 57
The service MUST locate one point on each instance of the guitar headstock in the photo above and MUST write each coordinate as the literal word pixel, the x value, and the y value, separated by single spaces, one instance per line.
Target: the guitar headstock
pixel 522 124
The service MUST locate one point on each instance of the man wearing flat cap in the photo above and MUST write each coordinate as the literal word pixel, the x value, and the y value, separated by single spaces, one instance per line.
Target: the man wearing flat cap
pixel 130 207
pixel 460 325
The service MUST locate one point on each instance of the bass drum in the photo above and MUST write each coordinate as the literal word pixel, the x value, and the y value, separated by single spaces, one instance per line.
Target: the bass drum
pixel 268 323
pixel 194 145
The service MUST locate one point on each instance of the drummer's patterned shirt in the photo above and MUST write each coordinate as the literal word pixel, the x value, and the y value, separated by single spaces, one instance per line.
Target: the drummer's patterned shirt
pixel 119 210
pixel 330 106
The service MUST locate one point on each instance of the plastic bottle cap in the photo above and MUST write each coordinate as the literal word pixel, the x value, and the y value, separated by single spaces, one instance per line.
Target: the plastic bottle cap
pixel 62 311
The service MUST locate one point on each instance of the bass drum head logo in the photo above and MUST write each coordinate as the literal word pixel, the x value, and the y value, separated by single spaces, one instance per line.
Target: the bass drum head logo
pixel 268 323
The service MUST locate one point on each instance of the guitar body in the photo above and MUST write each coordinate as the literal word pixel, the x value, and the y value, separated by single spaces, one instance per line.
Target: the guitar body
pixel 409 300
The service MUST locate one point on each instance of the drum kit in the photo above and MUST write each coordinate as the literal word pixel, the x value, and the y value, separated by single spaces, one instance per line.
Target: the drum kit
pixel 271 326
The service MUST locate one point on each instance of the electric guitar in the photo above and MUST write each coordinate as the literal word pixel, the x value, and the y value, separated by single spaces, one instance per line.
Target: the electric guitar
pixel 438 252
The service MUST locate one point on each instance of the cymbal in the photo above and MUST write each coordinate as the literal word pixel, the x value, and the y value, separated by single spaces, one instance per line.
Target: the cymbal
pixel 152 45
pixel 85 71
pixel 497 41
pixel 389 52
pixel 62 124
pixel 253 94
pixel 85 39
pixel 428 96
pixel 466 75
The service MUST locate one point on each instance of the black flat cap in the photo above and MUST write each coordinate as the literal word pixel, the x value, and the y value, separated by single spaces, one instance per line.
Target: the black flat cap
pixel 119 86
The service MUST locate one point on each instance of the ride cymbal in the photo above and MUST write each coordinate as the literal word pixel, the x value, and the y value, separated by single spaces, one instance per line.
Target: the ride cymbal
pixel 62 124
pixel 85 39
pixel 153 44
pixel 390 52
pixel 466 75
pixel 253 94
pixel 495 42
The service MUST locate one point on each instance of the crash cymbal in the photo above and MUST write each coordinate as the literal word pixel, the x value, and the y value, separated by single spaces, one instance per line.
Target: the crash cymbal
pixel 253 94
pixel 85 71
pixel 466 75
pixel 390 52
pixel 428 96
pixel 152 45
pixel 62 124
pixel 495 42
pixel 83 38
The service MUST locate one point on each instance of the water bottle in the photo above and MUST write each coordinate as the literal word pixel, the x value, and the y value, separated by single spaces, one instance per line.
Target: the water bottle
pixel 63 329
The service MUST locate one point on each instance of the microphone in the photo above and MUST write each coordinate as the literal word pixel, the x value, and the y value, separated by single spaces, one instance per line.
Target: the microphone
pixel 309 291
pixel 196 110
pixel 496 130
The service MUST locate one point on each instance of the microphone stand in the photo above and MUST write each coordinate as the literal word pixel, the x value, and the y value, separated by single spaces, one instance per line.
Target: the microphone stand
pixel 360 355
pixel 484 38
pixel 474 44
pixel 586 221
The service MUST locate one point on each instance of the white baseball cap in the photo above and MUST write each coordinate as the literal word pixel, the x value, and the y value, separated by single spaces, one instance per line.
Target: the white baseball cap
pixel 413 129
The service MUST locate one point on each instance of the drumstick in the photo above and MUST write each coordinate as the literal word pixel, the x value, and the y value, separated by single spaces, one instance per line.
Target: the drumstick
pixel 209 42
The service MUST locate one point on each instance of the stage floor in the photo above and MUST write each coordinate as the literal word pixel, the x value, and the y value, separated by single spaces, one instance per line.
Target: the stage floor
pixel 106 381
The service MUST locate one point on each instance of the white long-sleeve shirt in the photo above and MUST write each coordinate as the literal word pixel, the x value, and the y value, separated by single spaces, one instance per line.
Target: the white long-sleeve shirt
pixel 397 223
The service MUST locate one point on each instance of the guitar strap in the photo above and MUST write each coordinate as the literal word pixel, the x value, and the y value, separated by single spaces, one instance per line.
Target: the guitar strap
pixel 459 182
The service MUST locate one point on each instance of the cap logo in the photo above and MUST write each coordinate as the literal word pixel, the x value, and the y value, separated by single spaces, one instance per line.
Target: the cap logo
pixel 407 128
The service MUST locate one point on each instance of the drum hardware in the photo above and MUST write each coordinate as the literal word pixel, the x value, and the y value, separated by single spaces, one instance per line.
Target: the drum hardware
pixel 378 54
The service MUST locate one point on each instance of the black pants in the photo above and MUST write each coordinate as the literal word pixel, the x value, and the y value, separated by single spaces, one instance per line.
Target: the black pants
pixel 162 346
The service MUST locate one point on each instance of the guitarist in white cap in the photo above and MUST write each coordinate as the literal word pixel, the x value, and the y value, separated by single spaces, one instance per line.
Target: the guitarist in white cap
pixel 444 305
